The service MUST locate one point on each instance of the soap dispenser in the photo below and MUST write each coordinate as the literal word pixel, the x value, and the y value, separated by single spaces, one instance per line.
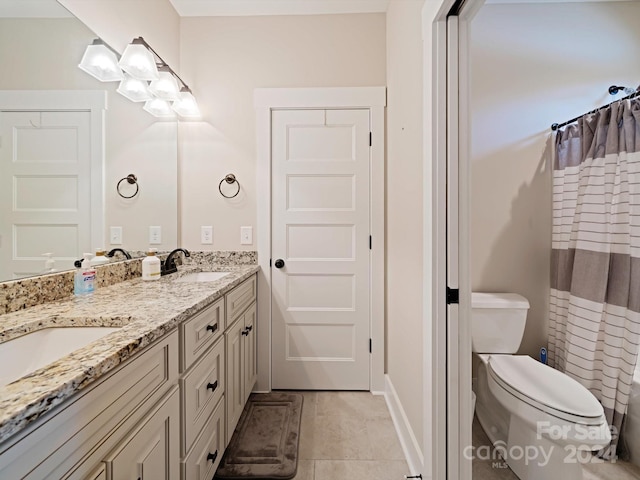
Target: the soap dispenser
pixel 151 266
pixel 85 277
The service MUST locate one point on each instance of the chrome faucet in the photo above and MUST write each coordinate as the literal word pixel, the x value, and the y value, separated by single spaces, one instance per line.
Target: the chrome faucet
pixel 169 265
pixel 112 252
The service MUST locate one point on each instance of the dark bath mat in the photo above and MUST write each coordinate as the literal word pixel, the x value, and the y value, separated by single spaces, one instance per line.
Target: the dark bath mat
pixel 265 443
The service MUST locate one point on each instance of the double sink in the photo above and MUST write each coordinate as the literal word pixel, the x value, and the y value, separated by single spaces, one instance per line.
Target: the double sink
pixel 26 354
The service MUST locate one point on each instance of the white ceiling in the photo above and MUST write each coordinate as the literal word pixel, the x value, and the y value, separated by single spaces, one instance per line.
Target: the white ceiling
pixel 190 8
pixel 187 8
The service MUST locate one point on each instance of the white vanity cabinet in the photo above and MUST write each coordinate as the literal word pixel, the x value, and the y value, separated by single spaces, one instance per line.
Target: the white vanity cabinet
pixel 79 438
pixel 164 414
pixel 240 343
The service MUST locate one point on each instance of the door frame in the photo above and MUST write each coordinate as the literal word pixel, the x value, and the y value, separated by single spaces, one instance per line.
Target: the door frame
pixel 451 369
pixel 265 101
pixel 92 101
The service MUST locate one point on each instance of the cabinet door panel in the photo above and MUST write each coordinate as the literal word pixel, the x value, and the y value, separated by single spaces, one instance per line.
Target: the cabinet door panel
pixel 234 391
pixel 150 451
pixel 250 366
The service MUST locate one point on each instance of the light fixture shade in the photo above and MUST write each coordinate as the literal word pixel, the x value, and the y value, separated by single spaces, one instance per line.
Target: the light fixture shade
pixel 134 89
pixel 101 63
pixel 186 106
pixel 165 86
pixel 139 62
pixel 159 108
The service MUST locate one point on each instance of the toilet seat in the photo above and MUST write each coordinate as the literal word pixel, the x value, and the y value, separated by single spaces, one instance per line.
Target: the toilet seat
pixel 546 389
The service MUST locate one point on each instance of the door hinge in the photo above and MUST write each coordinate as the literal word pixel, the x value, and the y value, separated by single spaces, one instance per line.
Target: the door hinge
pixel 370 242
pixel 269 263
pixel 370 138
pixel 370 346
pixel 453 296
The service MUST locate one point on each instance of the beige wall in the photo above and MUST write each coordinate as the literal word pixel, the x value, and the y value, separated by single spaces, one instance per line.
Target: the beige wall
pixel 404 213
pixel 531 66
pixel 224 59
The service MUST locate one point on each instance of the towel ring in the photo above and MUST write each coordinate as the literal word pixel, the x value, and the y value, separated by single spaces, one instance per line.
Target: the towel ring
pixel 230 178
pixel 131 180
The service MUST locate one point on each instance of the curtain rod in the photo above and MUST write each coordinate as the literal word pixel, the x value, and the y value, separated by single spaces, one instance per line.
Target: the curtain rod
pixel 612 90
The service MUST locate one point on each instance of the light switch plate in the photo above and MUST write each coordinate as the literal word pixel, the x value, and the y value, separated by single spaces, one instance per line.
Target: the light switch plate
pixel 246 235
pixel 155 235
pixel 206 235
pixel 115 236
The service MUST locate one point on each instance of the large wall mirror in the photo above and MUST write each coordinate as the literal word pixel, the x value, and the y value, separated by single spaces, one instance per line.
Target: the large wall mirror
pixel 39 53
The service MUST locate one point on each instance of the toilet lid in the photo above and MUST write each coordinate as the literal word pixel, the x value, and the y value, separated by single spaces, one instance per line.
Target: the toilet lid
pixel 545 388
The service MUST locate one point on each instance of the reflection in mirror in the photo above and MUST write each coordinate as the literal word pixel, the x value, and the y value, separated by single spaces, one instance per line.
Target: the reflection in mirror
pixel 53 199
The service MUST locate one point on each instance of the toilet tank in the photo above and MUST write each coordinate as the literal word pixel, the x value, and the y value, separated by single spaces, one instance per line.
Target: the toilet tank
pixel 497 322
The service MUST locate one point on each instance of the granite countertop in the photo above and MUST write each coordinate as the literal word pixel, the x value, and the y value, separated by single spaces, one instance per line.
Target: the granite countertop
pixel 145 311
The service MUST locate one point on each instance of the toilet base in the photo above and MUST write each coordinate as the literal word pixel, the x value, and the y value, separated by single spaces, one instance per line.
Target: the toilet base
pixel 529 455
pixel 533 457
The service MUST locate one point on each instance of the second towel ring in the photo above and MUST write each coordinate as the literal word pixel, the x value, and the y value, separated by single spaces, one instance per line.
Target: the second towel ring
pixel 230 178
pixel 131 180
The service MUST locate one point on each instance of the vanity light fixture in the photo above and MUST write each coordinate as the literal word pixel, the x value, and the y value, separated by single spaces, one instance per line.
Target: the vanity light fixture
pixel 134 89
pixel 141 65
pixel 101 62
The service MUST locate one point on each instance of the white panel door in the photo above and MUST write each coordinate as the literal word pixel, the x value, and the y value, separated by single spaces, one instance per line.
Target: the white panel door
pixel 320 229
pixel 45 189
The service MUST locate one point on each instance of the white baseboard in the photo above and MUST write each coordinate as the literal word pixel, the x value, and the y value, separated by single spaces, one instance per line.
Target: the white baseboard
pixel 410 446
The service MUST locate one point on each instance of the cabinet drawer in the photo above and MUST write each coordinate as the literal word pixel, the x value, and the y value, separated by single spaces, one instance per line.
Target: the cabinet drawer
pixel 201 390
pixel 200 332
pixel 203 459
pixel 238 299
pixel 150 451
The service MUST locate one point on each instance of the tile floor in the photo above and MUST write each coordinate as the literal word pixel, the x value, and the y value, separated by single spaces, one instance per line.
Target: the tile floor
pixel 350 436
pixel 492 470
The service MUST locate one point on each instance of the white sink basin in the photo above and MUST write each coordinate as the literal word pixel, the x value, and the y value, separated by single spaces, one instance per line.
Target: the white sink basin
pixel 28 353
pixel 202 277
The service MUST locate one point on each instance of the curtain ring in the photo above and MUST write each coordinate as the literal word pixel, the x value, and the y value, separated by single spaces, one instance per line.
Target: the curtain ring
pixel 131 180
pixel 230 178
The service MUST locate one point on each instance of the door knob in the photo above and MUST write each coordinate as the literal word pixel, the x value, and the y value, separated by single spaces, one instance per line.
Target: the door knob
pixel 279 263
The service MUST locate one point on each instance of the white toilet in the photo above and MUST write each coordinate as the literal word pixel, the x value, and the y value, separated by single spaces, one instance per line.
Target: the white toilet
pixel 544 423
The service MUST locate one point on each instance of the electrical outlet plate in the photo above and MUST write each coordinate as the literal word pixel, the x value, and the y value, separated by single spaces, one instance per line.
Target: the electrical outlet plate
pixel 155 235
pixel 206 235
pixel 115 236
pixel 246 235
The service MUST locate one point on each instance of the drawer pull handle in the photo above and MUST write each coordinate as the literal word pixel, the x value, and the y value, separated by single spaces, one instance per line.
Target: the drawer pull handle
pixel 212 386
pixel 213 328
pixel 212 456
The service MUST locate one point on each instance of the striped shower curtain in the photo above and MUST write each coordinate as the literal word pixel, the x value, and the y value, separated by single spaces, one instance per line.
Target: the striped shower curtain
pixel 594 323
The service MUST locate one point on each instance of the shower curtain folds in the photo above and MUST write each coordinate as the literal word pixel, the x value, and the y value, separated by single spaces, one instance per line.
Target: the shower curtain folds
pixel 594 323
